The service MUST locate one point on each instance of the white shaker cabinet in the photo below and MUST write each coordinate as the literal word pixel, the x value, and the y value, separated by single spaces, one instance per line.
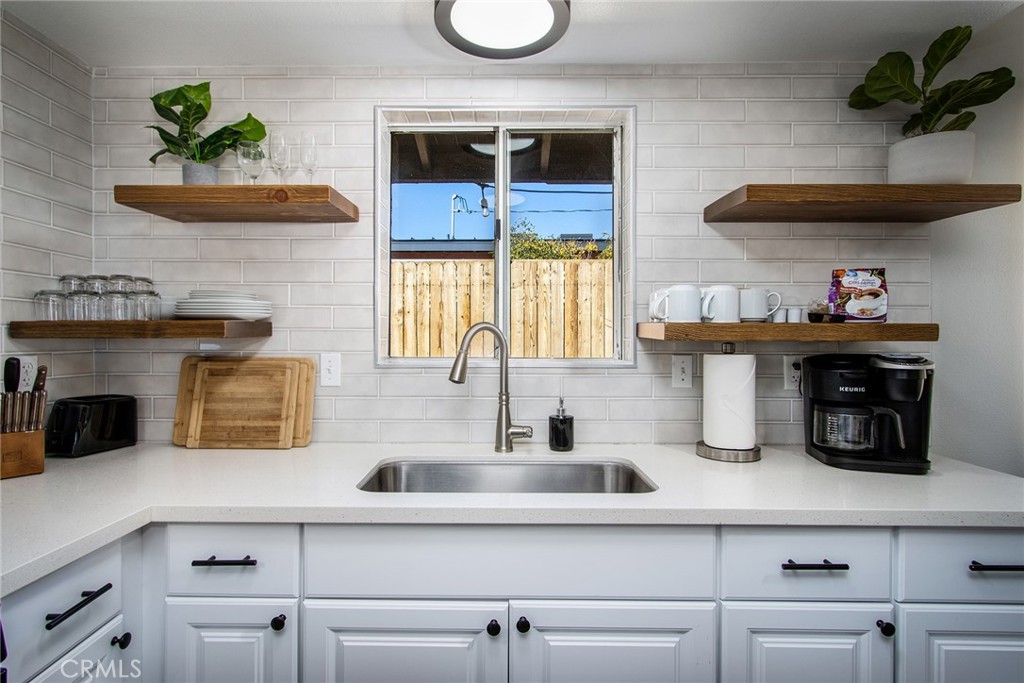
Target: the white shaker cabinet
pixel 405 641
pixel 610 641
pixel 961 610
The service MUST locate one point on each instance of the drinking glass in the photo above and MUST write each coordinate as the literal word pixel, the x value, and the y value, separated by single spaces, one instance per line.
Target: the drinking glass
pixel 251 159
pixel 307 154
pixel 278 148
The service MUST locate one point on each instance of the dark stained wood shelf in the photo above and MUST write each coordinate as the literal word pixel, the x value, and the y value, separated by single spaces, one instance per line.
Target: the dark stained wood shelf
pixel 232 203
pixel 856 203
pixel 802 332
pixel 139 329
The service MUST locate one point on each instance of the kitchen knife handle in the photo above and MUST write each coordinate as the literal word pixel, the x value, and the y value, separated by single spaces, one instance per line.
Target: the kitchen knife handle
pixel 55 620
pixel 790 565
pixel 246 561
pixel 12 374
pixel 5 411
pixel 40 382
pixel 976 566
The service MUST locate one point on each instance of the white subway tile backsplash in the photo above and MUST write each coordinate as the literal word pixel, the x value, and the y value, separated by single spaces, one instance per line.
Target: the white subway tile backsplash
pixel 774 122
pixel 791 157
pixel 745 88
pixel 746 133
pixel 24 100
pixel 838 134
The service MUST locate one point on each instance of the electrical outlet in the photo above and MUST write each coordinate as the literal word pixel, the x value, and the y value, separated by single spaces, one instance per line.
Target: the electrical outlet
pixel 29 365
pixel 791 372
pixel 330 369
pixel 682 371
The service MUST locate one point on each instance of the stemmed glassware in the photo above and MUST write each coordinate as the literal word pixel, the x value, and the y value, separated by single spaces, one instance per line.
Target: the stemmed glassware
pixel 251 159
pixel 307 155
pixel 278 147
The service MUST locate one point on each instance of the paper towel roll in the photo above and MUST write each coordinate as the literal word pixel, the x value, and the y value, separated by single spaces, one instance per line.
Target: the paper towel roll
pixel 729 401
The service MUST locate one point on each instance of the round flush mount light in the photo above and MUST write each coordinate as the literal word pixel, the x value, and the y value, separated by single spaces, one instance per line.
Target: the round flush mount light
pixel 501 29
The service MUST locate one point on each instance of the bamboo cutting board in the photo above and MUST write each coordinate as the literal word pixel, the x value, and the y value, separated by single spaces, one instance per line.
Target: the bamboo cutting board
pixel 244 412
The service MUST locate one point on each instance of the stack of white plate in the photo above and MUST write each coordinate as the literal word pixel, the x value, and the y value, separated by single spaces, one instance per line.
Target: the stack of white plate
pixel 217 304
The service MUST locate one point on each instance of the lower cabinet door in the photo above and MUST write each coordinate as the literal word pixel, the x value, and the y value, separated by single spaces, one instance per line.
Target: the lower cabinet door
pixel 99 657
pixel 609 641
pixel 791 642
pixel 231 640
pixel 960 643
pixel 405 641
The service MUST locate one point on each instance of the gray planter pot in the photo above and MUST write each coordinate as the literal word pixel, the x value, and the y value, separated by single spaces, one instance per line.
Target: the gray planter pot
pixel 198 174
pixel 934 158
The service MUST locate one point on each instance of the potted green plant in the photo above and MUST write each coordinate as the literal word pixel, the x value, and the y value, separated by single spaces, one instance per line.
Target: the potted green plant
pixel 938 147
pixel 186 107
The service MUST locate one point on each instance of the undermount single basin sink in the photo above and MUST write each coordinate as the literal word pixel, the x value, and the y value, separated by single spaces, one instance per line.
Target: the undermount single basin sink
pixel 506 475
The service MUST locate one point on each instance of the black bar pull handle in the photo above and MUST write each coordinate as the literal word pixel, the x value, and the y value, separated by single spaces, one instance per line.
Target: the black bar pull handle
pixel 212 561
pixel 976 566
pixel 790 565
pixel 55 620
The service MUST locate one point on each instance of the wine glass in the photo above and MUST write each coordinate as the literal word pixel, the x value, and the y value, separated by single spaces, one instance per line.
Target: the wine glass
pixel 278 147
pixel 251 159
pixel 307 155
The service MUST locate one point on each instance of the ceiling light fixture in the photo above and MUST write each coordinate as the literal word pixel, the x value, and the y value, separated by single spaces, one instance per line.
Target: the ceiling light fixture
pixel 501 29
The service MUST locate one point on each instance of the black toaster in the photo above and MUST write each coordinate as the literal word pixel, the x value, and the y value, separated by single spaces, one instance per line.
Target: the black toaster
pixel 81 425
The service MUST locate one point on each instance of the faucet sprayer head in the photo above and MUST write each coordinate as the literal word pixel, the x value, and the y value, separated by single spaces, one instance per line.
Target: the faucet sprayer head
pixel 459 367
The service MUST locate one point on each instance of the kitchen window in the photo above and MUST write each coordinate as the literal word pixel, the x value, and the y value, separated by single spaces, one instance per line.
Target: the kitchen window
pixel 518 218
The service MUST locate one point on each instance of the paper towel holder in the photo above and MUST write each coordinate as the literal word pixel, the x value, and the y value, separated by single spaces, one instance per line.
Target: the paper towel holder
pixel 728 454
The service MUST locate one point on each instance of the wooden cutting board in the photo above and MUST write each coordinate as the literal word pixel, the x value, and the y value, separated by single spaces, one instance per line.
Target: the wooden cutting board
pixel 229 421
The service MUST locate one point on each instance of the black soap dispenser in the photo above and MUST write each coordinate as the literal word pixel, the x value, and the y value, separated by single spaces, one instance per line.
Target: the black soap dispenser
pixel 560 429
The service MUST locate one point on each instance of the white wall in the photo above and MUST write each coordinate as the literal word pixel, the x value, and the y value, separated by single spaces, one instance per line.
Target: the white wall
pixel 702 130
pixel 978 277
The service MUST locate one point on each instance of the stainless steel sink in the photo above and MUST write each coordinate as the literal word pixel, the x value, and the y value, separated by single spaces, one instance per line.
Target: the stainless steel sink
pixel 506 475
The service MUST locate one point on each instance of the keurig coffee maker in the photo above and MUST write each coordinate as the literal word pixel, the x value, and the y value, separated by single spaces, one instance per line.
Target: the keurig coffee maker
pixel 868 412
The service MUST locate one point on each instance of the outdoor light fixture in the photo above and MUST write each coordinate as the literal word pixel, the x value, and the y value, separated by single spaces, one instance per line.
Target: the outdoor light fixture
pixel 501 29
pixel 515 145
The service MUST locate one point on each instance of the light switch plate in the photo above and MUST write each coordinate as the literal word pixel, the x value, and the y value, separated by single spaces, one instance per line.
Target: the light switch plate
pixel 682 371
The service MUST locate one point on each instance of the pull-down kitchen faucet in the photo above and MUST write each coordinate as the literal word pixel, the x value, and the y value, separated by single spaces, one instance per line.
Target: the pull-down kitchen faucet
pixel 504 430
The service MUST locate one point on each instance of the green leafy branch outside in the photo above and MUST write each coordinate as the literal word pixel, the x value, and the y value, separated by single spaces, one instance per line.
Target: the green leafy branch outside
pixel 527 244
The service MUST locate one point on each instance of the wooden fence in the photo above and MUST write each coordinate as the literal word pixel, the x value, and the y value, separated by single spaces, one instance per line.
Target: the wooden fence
pixel 559 308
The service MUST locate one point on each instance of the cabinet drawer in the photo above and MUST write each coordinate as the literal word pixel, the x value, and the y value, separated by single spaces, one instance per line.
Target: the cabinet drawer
pixel 96 658
pixel 30 645
pixel 792 563
pixel 935 564
pixel 473 561
pixel 247 559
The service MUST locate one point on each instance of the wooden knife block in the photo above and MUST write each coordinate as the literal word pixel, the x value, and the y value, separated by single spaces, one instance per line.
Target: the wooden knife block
pixel 21 453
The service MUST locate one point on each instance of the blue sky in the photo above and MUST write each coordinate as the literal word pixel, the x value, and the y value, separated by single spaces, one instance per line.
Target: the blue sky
pixel 424 210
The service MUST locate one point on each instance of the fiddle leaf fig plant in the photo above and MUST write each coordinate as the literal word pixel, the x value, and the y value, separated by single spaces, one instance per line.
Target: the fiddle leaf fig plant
pixel 893 79
pixel 186 107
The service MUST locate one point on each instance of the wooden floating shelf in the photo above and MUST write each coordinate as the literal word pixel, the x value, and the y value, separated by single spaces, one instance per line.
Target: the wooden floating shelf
pixel 802 332
pixel 140 329
pixel 233 203
pixel 856 203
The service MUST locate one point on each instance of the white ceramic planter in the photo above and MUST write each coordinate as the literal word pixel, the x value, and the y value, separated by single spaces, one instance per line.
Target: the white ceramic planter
pixel 935 158
pixel 198 174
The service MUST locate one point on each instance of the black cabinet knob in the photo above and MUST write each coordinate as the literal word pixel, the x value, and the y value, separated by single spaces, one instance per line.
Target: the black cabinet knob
pixel 123 642
pixel 523 625
pixel 277 623
pixel 493 628
pixel 887 629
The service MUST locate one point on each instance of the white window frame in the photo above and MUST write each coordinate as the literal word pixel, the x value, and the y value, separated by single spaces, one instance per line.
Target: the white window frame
pixel 401 119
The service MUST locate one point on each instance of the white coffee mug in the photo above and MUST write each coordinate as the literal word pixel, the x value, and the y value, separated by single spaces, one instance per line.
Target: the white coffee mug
pixel 677 304
pixel 721 304
pixel 754 306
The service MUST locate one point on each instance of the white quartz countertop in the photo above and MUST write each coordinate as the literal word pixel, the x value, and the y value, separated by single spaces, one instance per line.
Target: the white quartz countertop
pixel 78 505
